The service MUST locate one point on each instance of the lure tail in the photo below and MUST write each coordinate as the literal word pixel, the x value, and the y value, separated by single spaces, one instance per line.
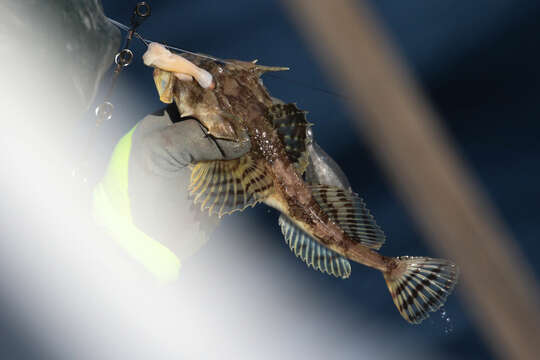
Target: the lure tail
pixel 419 285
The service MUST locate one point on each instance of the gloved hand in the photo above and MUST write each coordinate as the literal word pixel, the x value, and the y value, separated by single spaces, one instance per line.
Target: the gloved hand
pixel 145 191
pixel 165 143
pixel 163 147
pixel 142 201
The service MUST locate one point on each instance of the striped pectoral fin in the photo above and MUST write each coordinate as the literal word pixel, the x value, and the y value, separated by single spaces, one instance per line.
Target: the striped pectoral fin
pixel 421 285
pixel 225 186
pixel 314 254
pixel 350 213
pixel 291 124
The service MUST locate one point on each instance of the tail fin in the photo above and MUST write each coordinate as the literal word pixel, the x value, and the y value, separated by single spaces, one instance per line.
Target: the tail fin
pixel 420 284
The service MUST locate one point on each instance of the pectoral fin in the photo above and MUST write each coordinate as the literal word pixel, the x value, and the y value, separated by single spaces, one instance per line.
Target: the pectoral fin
pixel 225 186
pixel 314 254
pixel 350 213
pixel 291 124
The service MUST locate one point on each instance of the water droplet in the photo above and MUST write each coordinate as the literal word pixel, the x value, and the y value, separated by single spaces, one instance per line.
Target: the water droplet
pixel 447 322
pixel 104 111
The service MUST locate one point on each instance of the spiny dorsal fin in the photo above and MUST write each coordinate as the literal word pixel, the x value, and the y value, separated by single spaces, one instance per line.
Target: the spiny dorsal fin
pixel 261 69
pixel 349 212
pixel 225 186
pixel 291 125
pixel 313 253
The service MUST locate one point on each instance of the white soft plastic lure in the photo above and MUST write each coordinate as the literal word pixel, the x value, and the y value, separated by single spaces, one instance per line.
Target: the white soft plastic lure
pixel 159 56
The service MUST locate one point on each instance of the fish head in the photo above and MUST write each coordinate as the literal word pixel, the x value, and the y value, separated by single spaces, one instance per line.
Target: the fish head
pixel 223 108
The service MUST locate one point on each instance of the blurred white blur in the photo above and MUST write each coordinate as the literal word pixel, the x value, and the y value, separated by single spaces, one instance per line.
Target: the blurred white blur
pixel 77 296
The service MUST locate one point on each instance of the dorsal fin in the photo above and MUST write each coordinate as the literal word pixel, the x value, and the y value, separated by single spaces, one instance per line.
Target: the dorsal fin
pixel 312 252
pixel 291 125
pixel 350 213
pixel 225 186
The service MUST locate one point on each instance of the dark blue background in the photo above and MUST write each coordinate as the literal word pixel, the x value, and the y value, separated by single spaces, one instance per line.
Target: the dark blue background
pixel 478 64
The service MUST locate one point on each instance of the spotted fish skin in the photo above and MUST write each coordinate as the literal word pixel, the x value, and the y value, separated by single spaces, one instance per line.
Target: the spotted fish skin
pixel 323 225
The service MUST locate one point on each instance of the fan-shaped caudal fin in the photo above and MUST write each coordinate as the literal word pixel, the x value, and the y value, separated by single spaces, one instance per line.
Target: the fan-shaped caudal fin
pixel 419 285
pixel 225 186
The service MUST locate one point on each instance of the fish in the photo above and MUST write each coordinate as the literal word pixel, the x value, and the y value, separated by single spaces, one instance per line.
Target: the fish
pixel 325 226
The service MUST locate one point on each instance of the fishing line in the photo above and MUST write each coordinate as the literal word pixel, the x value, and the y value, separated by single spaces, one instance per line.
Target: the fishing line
pixel 296 82
pixel 147 42
pixel 309 86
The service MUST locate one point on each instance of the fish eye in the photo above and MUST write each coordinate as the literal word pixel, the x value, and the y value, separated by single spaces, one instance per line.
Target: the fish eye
pixel 219 63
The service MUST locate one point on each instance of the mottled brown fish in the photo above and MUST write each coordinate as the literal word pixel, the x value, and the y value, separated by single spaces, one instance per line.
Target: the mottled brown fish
pixel 323 225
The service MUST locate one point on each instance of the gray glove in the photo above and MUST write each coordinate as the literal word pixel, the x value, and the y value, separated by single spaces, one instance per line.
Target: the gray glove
pixel 168 143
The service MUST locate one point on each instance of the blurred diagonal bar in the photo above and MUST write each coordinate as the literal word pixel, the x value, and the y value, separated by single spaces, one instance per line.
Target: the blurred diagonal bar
pixel 411 144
